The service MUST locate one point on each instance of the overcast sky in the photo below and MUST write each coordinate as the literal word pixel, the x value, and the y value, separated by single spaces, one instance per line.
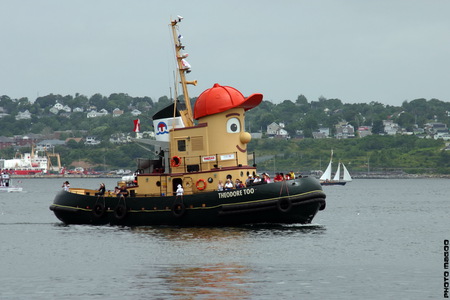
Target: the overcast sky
pixel 357 51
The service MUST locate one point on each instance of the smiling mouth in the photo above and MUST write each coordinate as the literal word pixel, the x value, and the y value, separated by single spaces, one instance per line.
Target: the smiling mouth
pixel 240 149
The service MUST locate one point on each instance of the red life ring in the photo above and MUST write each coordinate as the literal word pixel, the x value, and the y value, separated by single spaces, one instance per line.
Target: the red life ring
pixel 175 161
pixel 202 186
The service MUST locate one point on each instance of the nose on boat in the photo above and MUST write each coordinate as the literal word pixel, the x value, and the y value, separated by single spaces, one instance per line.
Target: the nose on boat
pixel 245 137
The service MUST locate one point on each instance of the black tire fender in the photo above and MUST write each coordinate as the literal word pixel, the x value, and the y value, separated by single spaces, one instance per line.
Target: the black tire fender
pixel 178 209
pixel 120 212
pixel 284 205
pixel 98 210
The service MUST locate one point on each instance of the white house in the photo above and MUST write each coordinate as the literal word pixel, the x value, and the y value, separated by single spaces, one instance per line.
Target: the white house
pixel 345 131
pixel 272 128
pixel 136 112
pixel 277 130
pixel 78 109
pixel 26 115
pixel 54 110
pixel 390 127
pixel 95 114
pixel 58 106
pixel 91 140
pixel 92 114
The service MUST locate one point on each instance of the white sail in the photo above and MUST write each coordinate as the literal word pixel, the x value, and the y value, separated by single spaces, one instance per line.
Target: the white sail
pixel 338 172
pixel 327 174
pixel 347 176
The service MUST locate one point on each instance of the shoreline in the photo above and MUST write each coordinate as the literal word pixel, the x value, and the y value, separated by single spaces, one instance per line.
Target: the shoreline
pixel 63 176
pixel 354 176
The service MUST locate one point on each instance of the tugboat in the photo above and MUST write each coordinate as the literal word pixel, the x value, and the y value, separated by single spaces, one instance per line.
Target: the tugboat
pixel 198 151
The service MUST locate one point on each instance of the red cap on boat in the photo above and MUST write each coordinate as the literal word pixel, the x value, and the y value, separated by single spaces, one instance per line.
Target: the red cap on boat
pixel 222 98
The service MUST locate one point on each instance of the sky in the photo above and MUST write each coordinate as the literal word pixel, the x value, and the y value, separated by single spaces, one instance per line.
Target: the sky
pixel 387 51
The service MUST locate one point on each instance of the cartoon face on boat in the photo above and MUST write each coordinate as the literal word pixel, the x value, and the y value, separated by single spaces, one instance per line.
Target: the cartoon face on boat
pixel 223 108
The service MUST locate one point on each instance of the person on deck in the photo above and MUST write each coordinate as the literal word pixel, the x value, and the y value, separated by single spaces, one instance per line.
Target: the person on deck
pixel 238 184
pixel 266 178
pixel 228 185
pixel 292 174
pixel 123 192
pixel 249 180
pixel 257 179
pixel 180 191
pixel 66 186
pixel 101 190
pixel 278 177
pixel 220 186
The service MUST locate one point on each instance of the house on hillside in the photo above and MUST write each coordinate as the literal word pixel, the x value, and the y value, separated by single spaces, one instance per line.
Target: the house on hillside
pixel 26 115
pixel 78 109
pixel 117 112
pixel 118 138
pixel 58 106
pixel 3 112
pixel 364 131
pixel 390 127
pixel 78 140
pixel 277 130
pixel 435 128
pixel 47 145
pixel 94 114
pixel 345 131
pixel 136 112
pixel 322 133
pixel 91 141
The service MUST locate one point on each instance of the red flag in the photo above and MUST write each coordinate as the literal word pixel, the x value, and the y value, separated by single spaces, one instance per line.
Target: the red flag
pixel 137 125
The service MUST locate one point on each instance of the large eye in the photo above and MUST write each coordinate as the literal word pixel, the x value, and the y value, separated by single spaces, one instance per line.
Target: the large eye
pixel 233 125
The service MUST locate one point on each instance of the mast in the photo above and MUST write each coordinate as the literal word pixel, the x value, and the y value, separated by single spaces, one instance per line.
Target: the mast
pixel 183 68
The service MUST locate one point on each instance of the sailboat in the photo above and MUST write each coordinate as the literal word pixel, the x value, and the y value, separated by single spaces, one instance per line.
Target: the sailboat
pixel 326 179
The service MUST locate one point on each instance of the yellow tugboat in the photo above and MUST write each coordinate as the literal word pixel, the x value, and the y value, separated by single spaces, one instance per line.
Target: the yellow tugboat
pixel 195 182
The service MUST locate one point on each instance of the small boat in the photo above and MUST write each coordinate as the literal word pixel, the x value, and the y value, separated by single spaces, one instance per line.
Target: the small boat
pixel 6 184
pixel 326 179
pixel 198 151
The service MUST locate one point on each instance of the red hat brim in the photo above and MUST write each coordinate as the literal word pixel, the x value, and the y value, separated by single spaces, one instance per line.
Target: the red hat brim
pixel 222 98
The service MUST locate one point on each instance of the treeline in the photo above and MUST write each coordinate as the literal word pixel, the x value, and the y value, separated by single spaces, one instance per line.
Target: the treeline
pixel 383 152
pixel 45 122
pixel 299 115
pixel 375 153
pixel 309 116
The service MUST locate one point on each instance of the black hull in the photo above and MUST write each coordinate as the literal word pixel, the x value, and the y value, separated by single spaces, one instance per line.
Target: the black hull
pixel 293 201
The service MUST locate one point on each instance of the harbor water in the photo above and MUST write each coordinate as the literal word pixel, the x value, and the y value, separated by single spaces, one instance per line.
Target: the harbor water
pixel 376 239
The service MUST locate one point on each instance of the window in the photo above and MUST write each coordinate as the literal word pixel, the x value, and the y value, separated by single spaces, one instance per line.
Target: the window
pixel 181 145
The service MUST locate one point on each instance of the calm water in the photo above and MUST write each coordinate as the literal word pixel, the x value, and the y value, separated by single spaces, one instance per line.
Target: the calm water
pixel 377 239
